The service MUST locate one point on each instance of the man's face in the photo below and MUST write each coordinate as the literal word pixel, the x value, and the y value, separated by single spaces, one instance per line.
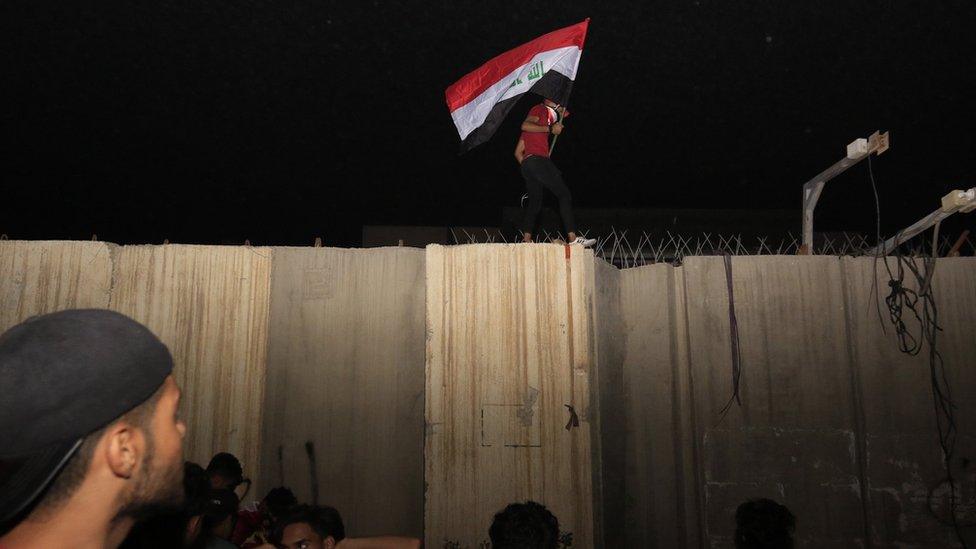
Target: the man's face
pixel 300 535
pixel 160 486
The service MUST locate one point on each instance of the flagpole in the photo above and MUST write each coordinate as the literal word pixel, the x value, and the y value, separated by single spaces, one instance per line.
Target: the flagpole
pixel 553 144
pixel 559 120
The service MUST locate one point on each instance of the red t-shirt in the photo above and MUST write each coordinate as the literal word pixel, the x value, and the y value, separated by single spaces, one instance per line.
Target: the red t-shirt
pixel 537 143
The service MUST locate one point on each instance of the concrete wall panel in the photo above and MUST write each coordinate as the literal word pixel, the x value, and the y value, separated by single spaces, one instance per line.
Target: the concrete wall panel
pixel 793 436
pixel 346 372
pixel 609 423
pixel 43 277
pixel 661 507
pixel 903 461
pixel 509 346
pixel 209 304
pixel 276 347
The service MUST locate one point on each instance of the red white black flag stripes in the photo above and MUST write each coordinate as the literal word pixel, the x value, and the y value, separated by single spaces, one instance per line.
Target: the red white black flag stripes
pixel 547 66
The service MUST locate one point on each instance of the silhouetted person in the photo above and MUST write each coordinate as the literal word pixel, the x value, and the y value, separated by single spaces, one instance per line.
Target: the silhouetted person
pixel 539 172
pixel 219 514
pixel 91 439
pixel 764 524
pixel 321 527
pixel 225 471
pixel 526 525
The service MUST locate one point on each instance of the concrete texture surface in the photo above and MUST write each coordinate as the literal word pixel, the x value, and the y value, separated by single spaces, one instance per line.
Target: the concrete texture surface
pixel 47 276
pixel 209 305
pixel 509 350
pixel 353 349
pixel 346 372
pixel 835 422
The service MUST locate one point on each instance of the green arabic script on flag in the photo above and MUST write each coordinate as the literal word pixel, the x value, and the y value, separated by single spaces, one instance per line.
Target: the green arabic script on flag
pixel 536 70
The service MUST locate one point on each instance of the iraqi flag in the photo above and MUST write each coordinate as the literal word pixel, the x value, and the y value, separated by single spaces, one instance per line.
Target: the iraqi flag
pixel 546 66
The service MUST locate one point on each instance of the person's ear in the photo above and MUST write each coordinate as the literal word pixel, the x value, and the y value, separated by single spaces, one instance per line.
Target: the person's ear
pixel 329 543
pixel 124 449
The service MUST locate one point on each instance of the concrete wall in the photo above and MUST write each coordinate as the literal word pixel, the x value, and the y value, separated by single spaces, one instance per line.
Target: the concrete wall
pixel 278 346
pixel 793 437
pixel 650 442
pixel 509 347
pixel 901 458
pixel 346 372
pixel 835 422
pixel 46 276
pixel 209 305
pixel 608 424
pixel 343 331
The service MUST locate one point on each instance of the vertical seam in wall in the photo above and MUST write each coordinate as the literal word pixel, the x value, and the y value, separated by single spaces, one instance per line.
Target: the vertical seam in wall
pixel 676 416
pixel 692 407
pixel 263 383
pixel 574 446
pixel 860 442
pixel 595 412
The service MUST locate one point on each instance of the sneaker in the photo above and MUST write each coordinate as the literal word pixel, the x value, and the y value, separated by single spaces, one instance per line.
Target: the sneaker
pixel 584 242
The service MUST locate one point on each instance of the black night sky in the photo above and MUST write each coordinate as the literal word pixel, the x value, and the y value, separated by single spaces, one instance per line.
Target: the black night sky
pixel 215 121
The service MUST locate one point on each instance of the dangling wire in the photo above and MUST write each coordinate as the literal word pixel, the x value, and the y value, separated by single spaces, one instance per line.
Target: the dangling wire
pixel 923 308
pixel 878 248
pixel 733 341
pixel 899 299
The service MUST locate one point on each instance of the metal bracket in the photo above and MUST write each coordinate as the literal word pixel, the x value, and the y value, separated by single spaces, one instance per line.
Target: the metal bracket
pixel 876 144
pixel 955 201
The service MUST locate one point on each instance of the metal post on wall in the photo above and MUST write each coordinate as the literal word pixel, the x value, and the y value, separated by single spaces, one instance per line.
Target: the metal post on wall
pixel 857 150
pixel 956 201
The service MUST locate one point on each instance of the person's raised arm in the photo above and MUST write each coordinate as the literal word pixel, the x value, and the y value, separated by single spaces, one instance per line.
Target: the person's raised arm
pixel 532 125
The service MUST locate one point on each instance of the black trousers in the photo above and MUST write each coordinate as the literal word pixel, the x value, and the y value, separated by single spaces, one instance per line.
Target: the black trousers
pixel 539 172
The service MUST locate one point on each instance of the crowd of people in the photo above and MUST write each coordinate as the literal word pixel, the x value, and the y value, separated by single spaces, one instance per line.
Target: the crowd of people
pixel 92 457
pixel 212 517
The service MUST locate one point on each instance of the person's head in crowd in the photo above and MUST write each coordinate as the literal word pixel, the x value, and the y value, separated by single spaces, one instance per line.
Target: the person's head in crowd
pixel 309 527
pixel 225 471
pixel 764 524
pixel 91 437
pixel 254 524
pixel 277 504
pixel 526 525
pixel 219 512
pixel 178 528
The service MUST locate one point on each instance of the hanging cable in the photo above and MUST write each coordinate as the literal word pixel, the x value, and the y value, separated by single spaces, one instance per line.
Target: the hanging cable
pixel 733 341
pixel 921 303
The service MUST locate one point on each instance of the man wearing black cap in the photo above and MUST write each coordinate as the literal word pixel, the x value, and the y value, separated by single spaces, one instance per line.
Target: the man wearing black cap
pixel 91 437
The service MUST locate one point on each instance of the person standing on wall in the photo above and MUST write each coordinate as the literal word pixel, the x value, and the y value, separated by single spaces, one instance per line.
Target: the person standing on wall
pixel 539 172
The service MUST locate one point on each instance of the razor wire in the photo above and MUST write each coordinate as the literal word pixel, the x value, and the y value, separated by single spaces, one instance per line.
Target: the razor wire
pixel 624 249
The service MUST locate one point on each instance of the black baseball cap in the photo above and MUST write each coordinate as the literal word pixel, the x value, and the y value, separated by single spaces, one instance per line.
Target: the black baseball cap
pixel 62 376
